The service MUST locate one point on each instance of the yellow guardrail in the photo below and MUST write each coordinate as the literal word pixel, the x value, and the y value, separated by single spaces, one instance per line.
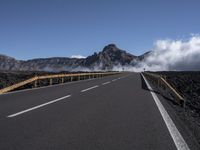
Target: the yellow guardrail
pixel 164 87
pixel 36 78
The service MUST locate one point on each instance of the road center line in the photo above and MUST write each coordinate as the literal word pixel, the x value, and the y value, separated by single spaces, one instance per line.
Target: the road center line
pixel 105 83
pixel 39 106
pixel 114 80
pixel 175 134
pixel 89 88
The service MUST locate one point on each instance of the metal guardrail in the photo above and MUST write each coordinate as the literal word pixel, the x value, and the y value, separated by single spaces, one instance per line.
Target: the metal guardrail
pixel 164 88
pixel 186 113
pixel 50 77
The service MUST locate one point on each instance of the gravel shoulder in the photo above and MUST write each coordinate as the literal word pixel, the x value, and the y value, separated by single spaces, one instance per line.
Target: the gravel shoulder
pixel 187 84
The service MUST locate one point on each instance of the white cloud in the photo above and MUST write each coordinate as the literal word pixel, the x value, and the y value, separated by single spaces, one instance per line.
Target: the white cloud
pixel 166 55
pixel 171 55
pixel 77 56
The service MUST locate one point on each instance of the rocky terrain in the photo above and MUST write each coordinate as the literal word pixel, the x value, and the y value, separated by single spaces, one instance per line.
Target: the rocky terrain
pixel 187 83
pixel 109 57
pixel 8 78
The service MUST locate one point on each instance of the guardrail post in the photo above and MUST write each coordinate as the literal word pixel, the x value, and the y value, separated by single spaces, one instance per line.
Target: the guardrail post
pixel 71 78
pixel 62 80
pixel 35 84
pixel 50 82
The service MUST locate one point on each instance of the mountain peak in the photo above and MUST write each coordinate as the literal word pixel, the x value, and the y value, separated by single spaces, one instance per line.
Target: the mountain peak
pixel 110 47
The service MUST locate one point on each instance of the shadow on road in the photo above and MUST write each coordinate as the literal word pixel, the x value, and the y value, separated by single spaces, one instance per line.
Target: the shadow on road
pixel 144 85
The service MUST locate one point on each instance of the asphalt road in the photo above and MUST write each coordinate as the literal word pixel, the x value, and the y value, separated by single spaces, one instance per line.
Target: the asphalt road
pixel 110 113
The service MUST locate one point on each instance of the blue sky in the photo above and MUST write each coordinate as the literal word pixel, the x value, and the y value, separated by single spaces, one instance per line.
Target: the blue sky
pixel 49 28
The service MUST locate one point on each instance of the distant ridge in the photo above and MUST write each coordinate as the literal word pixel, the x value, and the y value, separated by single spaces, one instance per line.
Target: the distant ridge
pixel 109 57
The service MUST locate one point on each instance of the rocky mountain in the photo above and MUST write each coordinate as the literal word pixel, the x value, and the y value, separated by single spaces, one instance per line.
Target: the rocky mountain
pixel 9 63
pixel 52 64
pixel 109 57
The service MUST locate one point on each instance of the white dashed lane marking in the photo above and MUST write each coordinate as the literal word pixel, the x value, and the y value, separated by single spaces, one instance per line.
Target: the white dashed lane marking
pixel 39 106
pixel 105 83
pixel 89 88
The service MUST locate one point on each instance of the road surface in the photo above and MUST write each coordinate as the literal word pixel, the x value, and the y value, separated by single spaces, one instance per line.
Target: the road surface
pixel 110 113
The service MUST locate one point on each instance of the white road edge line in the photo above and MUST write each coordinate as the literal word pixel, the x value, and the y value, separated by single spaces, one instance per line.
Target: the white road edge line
pixel 105 83
pixel 89 88
pixel 175 134
pixel 114 80
pixel 39 106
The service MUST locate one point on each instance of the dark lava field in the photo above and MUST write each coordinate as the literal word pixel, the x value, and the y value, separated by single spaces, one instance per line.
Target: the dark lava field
pixel 8 78
pixel 187 83
pixel 13 77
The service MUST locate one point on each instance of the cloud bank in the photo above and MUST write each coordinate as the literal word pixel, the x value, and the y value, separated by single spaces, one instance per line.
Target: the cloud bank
pixel 170 55
pixel 77 56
